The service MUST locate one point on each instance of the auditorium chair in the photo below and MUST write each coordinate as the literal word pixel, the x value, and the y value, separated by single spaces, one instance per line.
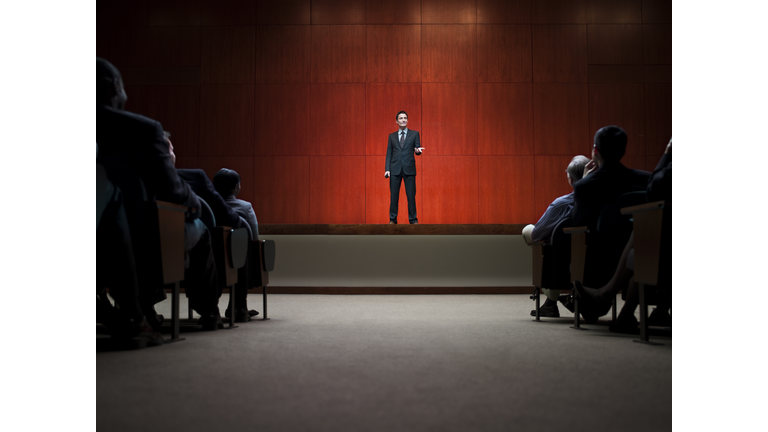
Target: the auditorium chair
pixel 647 220
pixel 170 226
pixel 542 263
pixel 261 263
pixel 230 247
pixel 595 251
pixel 157 236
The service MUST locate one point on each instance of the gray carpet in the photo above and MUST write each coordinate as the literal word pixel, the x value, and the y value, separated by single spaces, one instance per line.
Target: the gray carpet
pixel 390 363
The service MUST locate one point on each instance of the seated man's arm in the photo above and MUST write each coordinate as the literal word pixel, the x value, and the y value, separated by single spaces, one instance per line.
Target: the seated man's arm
pixel 167 183
pixel 660 183
pixel 554 214
pixel 250 217
pixel 202 186
pixel 582 203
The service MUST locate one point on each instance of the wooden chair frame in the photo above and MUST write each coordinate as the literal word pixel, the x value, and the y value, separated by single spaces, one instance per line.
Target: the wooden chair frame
pixel 647 220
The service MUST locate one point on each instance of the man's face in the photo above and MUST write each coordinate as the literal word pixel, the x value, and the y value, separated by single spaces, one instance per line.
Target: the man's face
pixel 402 120
pixel 120 97
pixel 170 150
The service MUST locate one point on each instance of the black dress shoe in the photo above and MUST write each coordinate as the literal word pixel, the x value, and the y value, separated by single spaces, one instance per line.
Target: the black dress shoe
pixel 626 326
pixel 547 311
pixel 589 308
pixel 242 315
pixel 138 331
pixel 659 318
pixel 567 301
pixel 211 322
pixel 251 313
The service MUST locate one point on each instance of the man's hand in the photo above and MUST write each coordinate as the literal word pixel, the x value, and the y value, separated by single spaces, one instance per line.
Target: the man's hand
pixel 418 150
pixel 386 174
pixel 589 168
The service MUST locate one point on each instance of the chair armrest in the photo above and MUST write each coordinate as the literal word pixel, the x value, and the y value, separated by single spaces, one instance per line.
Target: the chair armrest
pixel 643 208
pixel 576 230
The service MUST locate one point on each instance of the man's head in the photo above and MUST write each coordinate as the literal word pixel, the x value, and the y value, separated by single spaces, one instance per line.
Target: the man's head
pixel 227 182
pixel 109 85
pixel 167 136
pixel 575 170
pixel 610 145
pixel 402 119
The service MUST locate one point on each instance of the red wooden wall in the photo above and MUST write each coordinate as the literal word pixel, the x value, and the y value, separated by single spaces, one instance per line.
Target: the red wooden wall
pixel 299 96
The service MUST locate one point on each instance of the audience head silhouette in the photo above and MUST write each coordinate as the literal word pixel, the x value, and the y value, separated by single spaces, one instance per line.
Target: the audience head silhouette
pixel 227 182
pixel 167 136
pixel 109 85
pixel 575 169
pixel 610 144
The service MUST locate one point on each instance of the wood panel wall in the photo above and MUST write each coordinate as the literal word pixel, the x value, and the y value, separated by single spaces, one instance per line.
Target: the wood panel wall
pixel 299 96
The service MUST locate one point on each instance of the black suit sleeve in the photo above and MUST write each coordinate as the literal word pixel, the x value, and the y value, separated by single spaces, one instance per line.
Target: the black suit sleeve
pixel 660 183
pixel 389 154
pixel 167 184
pixel 202 186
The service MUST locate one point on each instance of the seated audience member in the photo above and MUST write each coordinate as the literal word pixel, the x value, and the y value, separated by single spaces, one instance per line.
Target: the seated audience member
pixel 138 143
pixel 558 211
pixel 225 216
pixel 597 301
pixel 203 188
pixel 227 183
pixel 605 177
pixel 116 269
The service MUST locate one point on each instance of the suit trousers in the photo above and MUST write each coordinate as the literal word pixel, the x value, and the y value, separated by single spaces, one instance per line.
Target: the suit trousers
pixel 394 196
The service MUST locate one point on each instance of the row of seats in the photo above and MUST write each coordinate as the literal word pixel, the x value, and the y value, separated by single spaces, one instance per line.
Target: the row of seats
pixel 240 257
pixel 593 253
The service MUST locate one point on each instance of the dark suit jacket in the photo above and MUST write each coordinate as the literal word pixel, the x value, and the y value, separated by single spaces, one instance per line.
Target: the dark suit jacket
pixel 402 159
pixel 245 210
pixel 203 187
pixel 594 191
pixel 138 142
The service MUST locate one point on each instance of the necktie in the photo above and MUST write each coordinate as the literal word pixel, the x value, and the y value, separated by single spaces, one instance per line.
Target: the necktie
pixel 402 139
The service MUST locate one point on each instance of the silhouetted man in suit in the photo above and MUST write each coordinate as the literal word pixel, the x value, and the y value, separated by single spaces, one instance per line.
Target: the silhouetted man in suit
pixel 136 143
pixel 401 166
pixel 605 178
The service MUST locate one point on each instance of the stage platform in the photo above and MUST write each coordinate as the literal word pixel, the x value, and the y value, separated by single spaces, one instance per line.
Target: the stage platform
pixel 399 259
pixel 386 229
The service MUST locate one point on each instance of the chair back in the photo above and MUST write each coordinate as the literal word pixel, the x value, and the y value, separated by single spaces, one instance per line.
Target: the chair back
pixel 238 247
pixel 269 255
pixel 262 262
pixel 247 227
pixel 170 224
pixel 230 247
pixel 647 220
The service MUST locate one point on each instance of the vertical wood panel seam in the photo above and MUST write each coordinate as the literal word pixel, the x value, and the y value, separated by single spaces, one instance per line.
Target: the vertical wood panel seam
pixel 589 86
pixel 533 114
pixel 311 91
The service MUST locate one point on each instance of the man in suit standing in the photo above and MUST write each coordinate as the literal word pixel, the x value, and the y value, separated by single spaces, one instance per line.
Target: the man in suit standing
pixel 401 166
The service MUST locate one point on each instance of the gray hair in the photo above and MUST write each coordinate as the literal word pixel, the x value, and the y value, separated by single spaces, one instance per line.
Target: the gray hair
pixel 575 169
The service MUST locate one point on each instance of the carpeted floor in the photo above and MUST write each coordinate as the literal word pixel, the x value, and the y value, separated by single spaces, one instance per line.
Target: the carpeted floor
pixel 390 363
